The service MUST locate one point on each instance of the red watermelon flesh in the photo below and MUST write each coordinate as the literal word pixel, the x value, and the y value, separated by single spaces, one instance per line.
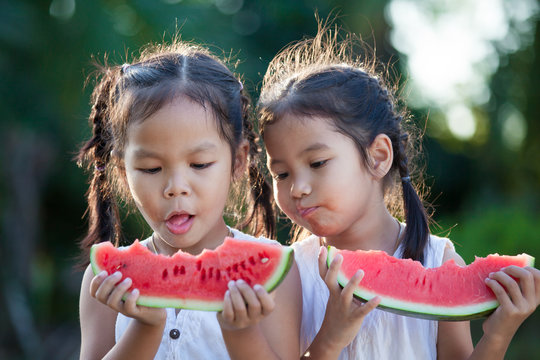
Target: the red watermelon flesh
pixel 449 292
pixel 194 282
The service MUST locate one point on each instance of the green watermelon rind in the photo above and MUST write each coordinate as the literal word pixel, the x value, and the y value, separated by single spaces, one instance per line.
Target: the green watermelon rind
pixel 286 261
pixel 418 310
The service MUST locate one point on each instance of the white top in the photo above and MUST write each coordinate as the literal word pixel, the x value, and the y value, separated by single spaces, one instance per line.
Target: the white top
pixel 199 332
pixel 383 335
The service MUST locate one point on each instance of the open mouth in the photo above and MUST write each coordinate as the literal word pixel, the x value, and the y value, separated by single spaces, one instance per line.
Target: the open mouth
pixel 179 223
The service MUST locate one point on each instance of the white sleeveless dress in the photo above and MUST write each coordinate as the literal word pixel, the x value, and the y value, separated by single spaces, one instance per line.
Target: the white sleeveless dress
pixel 190 335
pixel 383 335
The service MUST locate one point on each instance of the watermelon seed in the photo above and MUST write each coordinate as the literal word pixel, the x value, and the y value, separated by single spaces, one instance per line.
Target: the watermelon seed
pixel 203 274
pixel 251 260
pixel 199 265
pixel 182 270
pixel 243 264
pixel 164 274
pixel 264 260
pixel 210 272
pixel 176 270
pixel 218 274
pixel 235 267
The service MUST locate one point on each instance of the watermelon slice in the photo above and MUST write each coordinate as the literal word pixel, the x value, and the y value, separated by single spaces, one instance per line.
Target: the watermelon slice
pixel 194 282
pixel 449 292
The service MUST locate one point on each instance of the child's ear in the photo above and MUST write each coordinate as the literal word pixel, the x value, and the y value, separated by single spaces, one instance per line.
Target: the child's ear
pixel 241 159
pixel 382 155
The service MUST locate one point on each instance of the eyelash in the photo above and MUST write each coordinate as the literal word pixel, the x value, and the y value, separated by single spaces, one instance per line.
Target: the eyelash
pixel 151 171
pixel 196 166
pixel 201 166
pixel 313 165
pixel 318 164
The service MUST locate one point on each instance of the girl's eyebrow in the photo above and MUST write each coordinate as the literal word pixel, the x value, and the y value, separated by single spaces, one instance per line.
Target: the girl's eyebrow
pixel 313 147
pixel 204 146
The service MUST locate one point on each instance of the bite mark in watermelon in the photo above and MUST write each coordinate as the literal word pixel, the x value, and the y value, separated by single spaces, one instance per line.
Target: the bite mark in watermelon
pixel 449 292
pixel 194 282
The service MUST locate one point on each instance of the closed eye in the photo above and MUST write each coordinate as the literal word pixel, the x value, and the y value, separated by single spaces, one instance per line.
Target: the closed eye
pixel 151 170
pixel 318 164
pixel 201 166
pixel 281 176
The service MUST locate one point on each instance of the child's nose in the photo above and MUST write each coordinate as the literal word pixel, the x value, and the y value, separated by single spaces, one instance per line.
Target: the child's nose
pixel 177 185
pixel 300 188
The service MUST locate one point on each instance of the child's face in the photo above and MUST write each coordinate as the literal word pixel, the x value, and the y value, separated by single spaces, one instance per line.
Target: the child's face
pixel 319 178
pixel 178 169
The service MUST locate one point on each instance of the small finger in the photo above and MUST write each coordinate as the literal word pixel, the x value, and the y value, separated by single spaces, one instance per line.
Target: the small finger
pixel 265 299
pixel 511 285
pixel 238 304
pixel 130 301
pixel 536 276
pixel 107 286
pixel 323 267
pixel 348 290
pixel 526 281
pixel 499 291
pixel 250 298
pixel 118 293
pixel 228 312
pixel 370 305
pixel 97 281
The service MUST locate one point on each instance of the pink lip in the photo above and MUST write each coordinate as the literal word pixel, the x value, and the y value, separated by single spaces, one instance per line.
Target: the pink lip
pixel 179 222
pixel 305 212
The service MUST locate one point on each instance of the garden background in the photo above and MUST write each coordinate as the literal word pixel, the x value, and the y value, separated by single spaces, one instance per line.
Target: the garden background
pixel 469 69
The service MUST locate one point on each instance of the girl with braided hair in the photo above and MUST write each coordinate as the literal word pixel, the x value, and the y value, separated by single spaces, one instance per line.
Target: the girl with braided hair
pixel 337 149
pixel 172 133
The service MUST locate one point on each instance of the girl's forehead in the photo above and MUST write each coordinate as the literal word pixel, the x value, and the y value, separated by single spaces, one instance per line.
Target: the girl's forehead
pixel 291 122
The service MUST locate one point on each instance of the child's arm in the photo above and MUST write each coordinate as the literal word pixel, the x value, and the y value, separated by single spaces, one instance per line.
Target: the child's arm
pixel 258 325
pixel 100 302
pixel 517 302
pixel 344 314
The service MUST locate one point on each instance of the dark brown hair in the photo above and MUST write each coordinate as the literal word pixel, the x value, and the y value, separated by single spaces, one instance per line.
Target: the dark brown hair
pixel 324 76
pixel 133 92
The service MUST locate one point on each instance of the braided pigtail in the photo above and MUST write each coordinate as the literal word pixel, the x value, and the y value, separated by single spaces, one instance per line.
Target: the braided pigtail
pixel 417 230
pixel 103 218
pixel 261 191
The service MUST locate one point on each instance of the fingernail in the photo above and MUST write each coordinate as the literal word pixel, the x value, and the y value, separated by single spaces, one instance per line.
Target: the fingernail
pixel 135 292
pixel 240 282
pixel 257 287
pixel 102 273
pixel 127 281
pixel 117 274
pixel 230 284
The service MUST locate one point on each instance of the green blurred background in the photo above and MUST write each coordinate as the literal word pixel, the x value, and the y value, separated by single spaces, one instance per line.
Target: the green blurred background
pixel 469 71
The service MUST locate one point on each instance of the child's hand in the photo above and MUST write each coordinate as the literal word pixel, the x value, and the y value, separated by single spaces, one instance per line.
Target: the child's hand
pixel 344 314
pixel 517 299
pixel 109 291
pixel 244 306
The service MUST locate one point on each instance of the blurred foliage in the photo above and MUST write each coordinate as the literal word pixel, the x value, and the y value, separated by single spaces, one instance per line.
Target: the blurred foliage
pixel 484 194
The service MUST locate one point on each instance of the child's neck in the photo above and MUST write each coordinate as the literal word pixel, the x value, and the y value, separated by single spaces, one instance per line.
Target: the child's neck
pixel 384 234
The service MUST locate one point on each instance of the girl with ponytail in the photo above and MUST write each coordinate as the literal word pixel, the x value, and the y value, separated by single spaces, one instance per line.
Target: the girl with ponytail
pixel 172 134
pixel 338 150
